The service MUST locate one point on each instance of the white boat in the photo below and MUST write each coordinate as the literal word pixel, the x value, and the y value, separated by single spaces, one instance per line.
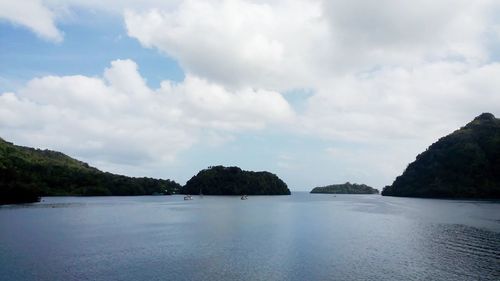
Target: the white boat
pixel 244 197
pixel 188 197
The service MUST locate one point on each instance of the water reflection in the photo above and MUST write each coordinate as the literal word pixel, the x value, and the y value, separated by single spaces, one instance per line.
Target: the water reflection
pixel 299 237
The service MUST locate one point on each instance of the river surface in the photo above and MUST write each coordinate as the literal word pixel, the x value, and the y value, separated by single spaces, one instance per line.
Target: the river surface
pixel 298 237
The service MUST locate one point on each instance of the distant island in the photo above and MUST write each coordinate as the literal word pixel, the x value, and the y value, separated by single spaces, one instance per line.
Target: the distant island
pixel 27 173
pixel 220 180
pixel 464 164
pixel 346 188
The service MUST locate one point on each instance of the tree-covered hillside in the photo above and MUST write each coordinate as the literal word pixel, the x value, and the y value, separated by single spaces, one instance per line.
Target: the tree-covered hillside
pixel 27 173
pixel 221 180
pixel 464 164
pixel 346 188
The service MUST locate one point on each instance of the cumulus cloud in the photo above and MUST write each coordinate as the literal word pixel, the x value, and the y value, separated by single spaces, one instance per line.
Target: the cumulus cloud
pixel 426 102
pixel 382 69
pixel 33 15
pixel 238 43
pixel 118 119
pixel 392 32
pixel 289 44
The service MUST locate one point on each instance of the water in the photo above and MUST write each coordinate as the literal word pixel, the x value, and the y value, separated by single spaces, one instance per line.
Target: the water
pixel 298 237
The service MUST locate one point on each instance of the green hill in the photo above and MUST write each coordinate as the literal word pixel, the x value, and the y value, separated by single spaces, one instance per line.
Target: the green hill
pixel 221 180
pixel 346 188
pixel 464 164
pixel 28 173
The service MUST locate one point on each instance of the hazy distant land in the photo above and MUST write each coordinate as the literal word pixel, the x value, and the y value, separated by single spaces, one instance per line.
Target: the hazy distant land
pixel 346 188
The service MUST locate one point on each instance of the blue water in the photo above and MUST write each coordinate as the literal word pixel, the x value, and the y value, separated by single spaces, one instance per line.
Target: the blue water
pixel 299 237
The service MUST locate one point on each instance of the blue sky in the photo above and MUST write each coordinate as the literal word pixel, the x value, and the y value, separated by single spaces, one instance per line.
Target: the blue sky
pixel 304 89
pixel 86 50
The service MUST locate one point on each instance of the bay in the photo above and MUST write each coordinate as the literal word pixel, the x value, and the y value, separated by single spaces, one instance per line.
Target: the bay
pixel 299 237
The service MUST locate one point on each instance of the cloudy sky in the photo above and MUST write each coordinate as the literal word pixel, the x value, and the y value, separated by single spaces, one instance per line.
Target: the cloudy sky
pixel 318 92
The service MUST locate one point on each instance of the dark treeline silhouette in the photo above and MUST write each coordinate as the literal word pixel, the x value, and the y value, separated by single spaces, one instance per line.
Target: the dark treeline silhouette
pixel 220 180
pixel 464 164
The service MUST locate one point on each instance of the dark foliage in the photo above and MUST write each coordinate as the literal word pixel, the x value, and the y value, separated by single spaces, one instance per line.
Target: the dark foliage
pixel 464 164
pixel 346 188
pixel 221 180
pixel 27 173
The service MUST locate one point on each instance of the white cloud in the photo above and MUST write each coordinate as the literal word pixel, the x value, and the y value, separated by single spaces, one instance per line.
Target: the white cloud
pixel 118 119
pixel 213 106
pixel 379 70
pixel 288 44
pixel 238 43
pixel 33 15
pixel 391 32
pixel 396 103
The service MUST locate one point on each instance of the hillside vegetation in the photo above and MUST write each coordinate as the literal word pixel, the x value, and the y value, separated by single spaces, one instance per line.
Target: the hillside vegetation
pixel 28 173
pixel 220 180
pixel 464 164
pixel 346 188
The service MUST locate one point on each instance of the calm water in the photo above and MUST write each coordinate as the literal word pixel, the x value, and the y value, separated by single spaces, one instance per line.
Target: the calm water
pixel 298 237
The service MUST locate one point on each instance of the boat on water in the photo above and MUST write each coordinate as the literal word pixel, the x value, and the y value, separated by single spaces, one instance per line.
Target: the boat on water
pixel 188 197
pixel 244 197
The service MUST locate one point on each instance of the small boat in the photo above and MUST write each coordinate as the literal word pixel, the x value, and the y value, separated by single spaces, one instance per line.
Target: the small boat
pixel 188 197
pixel 244 197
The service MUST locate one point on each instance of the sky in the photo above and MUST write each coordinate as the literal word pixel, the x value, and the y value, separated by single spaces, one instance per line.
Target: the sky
pixel 317 92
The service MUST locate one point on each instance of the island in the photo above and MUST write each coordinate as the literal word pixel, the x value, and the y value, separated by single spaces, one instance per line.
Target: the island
pixel 220 180
pixel 27 173
pixel 463 164
pixel 346 188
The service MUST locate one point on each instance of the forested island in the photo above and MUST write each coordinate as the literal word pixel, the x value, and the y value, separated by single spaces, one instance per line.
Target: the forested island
pixel 27 173
pixel 346 188
pixel 464 164
pixel 220 180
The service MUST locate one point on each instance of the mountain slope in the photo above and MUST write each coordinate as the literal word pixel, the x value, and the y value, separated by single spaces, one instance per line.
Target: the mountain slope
pixel 464 164
pixel 27 173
